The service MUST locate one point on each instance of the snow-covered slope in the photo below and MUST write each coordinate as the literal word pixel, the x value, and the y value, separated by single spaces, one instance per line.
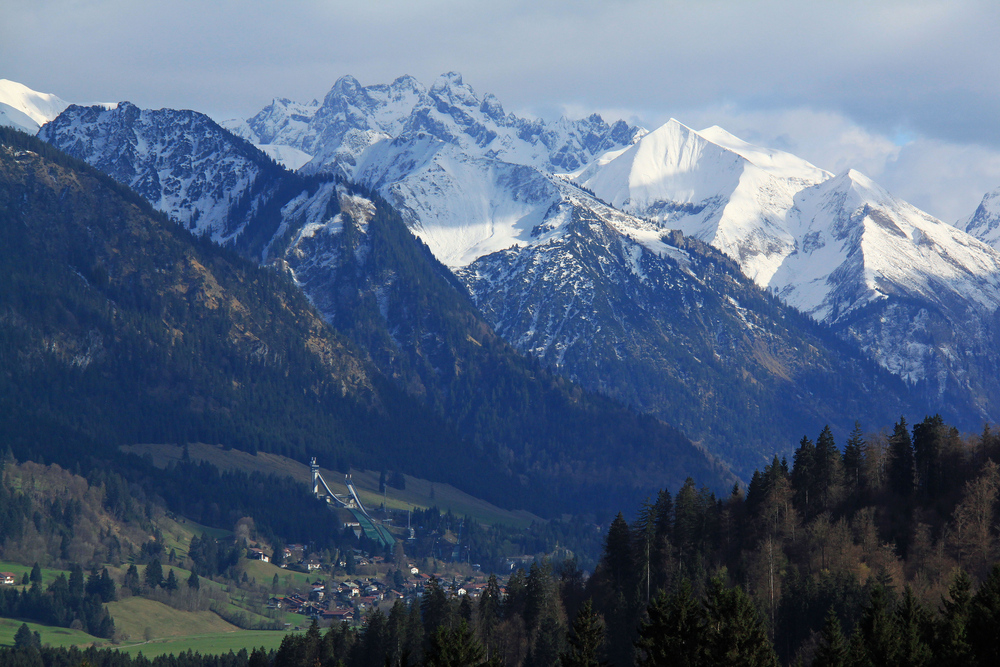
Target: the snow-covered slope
pixel 712 186
pixel 859 244
pixel 26 109
pixel 181 161
pixel 669 325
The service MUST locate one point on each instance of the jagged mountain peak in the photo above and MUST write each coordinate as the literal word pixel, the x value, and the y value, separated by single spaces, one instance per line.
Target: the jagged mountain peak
pixel 984 223
pixel 451 88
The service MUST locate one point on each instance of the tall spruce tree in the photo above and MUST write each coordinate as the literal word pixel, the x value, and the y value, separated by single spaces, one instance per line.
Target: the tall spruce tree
pixel 854 460
pixel 674 632
pixel 586 640
pixel 735 633
pixel 833 649
pixel 901 468
pixel 952 647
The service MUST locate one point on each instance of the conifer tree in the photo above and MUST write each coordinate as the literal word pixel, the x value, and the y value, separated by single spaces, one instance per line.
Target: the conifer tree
pixel 734 631
pixel 171 583
pixel 952 648
pixel 984 619
pixel 901 461
pixel 878 628
pixel 154 573
pixel 915 631
pixel 829 471
pixel 928 442
pixel 434 607
pixel 854 460
pixel 617 562
pixel 454 647
pixel 374 643
pixel 586 640
pixel 674 633
pixel 804 477
pixel 833 648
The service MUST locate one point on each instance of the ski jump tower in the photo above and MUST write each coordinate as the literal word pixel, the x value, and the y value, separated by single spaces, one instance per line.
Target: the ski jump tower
pixel 372 527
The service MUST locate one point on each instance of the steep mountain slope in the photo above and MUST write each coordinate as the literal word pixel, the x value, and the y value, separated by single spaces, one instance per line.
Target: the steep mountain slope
pixel 182 162
pixel 352 118
pixel 118 327
pixel 25 109
pixel 709 185
pixel 374 282
pixel 671 326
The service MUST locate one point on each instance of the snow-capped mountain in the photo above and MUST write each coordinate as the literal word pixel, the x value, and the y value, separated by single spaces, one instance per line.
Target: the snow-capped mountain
pixel 984 224
pixel 712 186
pixel 181 161
pixel 26 109
pixel 841 249
pixel 352 118
pixel 600 288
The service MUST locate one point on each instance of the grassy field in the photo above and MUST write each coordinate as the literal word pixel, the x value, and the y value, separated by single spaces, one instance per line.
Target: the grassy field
pixel 211 643
pixel 48 575
pixel 419 493
pixel 50 635
pixel 134 615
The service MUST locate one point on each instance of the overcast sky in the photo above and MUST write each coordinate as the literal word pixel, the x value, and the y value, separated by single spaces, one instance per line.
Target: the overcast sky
pixel 906 91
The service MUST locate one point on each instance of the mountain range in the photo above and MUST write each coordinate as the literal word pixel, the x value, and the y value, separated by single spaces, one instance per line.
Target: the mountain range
pixel 617 257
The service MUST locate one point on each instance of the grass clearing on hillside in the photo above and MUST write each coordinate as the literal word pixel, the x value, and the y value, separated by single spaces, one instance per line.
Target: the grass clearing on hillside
pixel 54 636
pixel 178 531
pixel 133 616
pixel 19 570
pixel 208 644
pixel 419 493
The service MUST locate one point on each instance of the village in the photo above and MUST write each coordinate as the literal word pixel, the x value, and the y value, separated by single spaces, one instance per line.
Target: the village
pixel 350 598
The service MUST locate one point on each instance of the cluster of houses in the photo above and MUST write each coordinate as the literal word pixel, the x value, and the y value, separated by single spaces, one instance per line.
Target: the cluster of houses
pixel 350 600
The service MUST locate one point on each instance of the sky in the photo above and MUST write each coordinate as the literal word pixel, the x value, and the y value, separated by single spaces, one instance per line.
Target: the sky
pixel 907 92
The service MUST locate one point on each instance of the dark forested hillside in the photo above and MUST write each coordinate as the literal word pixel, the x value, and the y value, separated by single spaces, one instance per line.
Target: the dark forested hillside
pixel 118 326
